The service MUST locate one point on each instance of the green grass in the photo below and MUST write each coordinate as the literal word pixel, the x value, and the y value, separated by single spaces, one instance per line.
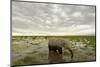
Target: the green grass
pixel 38 54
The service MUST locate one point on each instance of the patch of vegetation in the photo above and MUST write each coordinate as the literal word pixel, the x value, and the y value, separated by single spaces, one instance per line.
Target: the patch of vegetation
pixel 32 52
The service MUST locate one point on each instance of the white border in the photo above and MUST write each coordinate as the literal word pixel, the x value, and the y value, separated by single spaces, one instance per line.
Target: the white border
pixel 5 33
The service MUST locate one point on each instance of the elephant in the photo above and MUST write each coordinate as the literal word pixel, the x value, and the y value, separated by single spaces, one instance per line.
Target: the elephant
pixel 56 45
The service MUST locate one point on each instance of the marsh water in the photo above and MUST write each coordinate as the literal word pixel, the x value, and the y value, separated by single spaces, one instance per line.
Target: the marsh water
pixel 28 50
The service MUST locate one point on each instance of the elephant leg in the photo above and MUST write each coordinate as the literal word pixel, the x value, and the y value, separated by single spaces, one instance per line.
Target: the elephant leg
pixel 50 49
pixel 60 50
pixel 54 50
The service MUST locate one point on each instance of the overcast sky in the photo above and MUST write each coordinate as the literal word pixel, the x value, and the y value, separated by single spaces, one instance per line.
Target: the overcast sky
pixel 52 19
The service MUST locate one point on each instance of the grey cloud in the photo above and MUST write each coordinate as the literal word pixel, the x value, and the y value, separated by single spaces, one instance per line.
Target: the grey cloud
pixel 43 17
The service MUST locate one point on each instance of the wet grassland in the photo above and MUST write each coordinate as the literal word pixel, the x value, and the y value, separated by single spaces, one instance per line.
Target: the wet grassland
pixel 27 50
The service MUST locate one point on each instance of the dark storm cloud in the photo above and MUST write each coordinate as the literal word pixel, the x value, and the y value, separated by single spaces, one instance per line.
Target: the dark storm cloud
pixel 52 18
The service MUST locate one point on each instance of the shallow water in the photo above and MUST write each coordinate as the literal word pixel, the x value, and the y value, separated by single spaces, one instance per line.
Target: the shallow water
pixel 35 51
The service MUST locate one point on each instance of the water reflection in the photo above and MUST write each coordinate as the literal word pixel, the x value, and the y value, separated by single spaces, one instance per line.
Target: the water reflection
pixel 55 57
